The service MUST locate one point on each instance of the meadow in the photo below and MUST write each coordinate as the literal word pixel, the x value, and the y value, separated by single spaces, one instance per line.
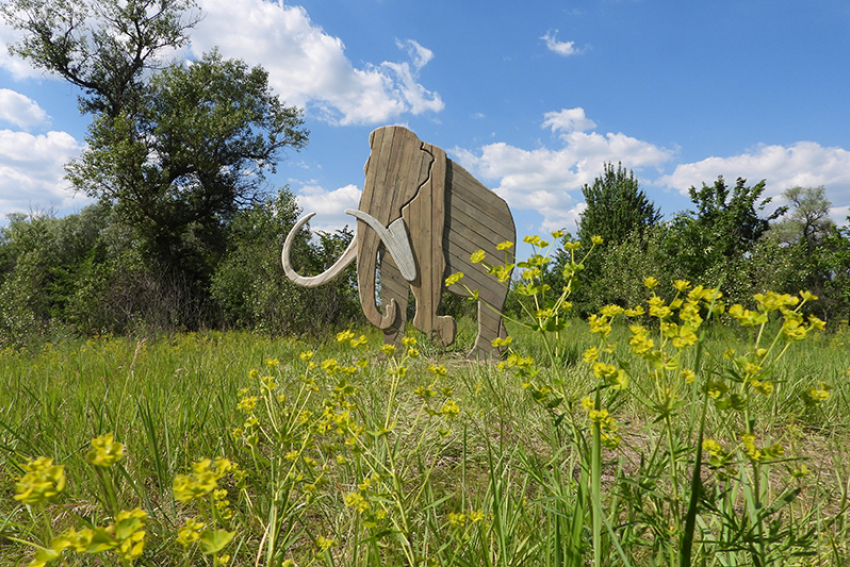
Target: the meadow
pixel 678 432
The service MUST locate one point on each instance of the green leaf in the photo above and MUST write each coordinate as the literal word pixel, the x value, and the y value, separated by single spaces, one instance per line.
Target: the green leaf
pixel 213 542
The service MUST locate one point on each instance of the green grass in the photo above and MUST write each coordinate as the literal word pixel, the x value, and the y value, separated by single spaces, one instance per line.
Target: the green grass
pixel 371 466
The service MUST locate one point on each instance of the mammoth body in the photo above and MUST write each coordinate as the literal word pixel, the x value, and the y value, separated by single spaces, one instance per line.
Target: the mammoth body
pixel 420 218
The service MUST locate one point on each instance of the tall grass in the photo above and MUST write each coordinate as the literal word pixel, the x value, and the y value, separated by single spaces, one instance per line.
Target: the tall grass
pixel 347 453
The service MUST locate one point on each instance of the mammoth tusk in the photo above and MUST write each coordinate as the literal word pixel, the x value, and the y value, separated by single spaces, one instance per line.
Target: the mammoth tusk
pixel 347 257
pixel 396 239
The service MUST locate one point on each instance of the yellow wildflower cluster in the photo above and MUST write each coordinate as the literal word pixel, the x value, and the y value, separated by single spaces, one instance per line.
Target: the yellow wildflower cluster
pixel 125 537
pixel 349 337
pixel 607 425
pixel 105 451
pixel 760 454
pixel 459 520
pixel 42 481
pixel 204 479
pixel 368 501
pixel 793 326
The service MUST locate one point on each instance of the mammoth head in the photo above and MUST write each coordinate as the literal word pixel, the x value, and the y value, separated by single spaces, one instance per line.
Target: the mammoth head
pixel 398 168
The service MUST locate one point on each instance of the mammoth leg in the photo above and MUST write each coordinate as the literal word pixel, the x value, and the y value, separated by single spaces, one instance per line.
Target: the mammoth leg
pixel 490 323
pixel 394 287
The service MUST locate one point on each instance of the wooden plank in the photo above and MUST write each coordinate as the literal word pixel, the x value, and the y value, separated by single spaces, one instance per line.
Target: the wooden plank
pixel 475 276
pixel 484 236
pixel 468 189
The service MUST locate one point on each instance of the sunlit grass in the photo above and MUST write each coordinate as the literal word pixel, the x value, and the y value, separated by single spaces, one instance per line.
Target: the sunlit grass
pixel 578 448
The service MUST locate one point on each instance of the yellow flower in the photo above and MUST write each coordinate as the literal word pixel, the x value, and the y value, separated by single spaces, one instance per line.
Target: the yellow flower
pixel 306 355
pixel 650 282
pixel 453 279
pixel 506 245
pixel 816 395
pixel 688 375
pixel 596 240
pixel 457 520
pixel 105 452
pixel 712 447
pixel 43 480
pixel 272 362
pixel 388 350
pixel 808 296
pixel 763 388
pixel 534 240
pixel 412 352
pixel 325 543
pixel 439 370
pixel 590 355
pixel 344 336
pixel 408 341
pixel 450 409
pixel 477 256
pixel 598 415
pixel 247 404
pixel 355 500
pixel 476 516
pixel 681 285
pixel 587 403
pixel 611 310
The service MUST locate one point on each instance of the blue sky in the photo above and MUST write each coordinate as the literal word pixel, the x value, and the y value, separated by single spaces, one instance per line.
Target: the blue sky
pixel 531 98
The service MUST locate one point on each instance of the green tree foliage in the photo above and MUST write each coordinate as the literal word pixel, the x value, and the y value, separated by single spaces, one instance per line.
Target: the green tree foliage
pixel 724 227
pixel 190 158
pixel 808 221
pixel 86 274
pixel 616 207
pixel 176 150
pixel 252 290
pixel 618 211
pixel 104 47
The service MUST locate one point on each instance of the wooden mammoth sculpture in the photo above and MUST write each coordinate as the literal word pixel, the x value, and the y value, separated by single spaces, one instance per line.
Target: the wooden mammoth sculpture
pixel 420 218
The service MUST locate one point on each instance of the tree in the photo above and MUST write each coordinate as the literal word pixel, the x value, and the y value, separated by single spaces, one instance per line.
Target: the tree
pixel 104 47
pixel 192 155
pixel 724 227
pixel 616 207
pixel 808 221
pixel 617 210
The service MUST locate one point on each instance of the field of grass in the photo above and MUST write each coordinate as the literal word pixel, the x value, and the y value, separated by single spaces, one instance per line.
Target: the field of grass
pixel 233 449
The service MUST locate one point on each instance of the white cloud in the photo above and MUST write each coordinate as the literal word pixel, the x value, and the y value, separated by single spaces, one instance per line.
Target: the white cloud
pixel 20 110
pixel 565 48
pixel 31 172
pixel 308 67
pixel 806 164
pixel 545 180
pixel 19 68
pixel 329 206
pixel 568 120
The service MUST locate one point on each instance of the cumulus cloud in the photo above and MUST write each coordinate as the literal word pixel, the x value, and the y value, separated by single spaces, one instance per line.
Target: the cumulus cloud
pixel 806 164
pixel 564 48
pixel 308 68
pixel 329 206
pixel 546 180
pixel 568 120
pixel 31 172
pixel 20 110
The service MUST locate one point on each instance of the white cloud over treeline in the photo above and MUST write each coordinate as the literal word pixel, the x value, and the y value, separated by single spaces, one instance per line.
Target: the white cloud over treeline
pixel 31 171
pixel 548 180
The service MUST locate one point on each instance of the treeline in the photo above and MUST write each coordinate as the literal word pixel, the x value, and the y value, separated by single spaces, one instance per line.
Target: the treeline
pixel 728 240
pixel 89 274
